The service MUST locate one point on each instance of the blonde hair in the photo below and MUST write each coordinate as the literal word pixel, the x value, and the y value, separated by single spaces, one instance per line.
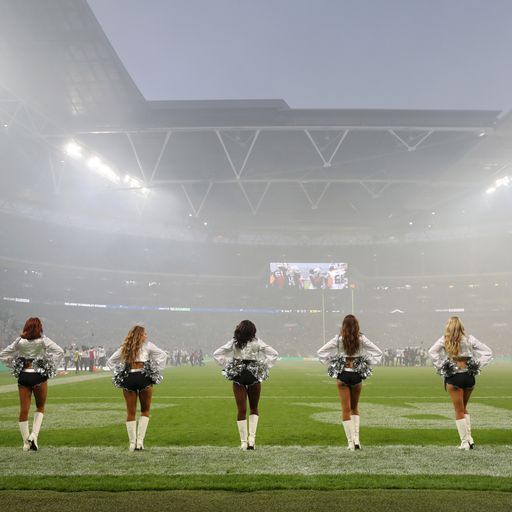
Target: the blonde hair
pixel 132 344
pixel 453 333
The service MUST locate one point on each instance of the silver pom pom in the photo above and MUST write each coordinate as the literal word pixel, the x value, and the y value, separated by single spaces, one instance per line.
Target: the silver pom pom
pixel 233 369
pixel 473 366
pixel 121 371
pixel 17 366
pixel 259 369
pixel 362 366
pixel 447 369
pixel 336 366
pixel 45 367
pixel 152 372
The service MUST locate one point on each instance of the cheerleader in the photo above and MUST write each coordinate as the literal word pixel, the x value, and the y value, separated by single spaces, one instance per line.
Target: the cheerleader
pixel 348 356
pixel 137 365
pixel 34 359
pixel 246 360
pixel 458 358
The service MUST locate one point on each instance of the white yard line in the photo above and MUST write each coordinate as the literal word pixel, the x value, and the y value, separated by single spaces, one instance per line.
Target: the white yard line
pixel 276 460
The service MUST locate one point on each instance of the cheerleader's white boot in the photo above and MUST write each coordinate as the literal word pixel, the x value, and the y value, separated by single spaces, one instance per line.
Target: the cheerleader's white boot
pixel 25 433
pixel 253 426
pixel 347 426
pixel 355 431
pixel 242 430
pixel 463 433
pixel 141 432
pixel 468 425
pixel 131 428
pixel 36 426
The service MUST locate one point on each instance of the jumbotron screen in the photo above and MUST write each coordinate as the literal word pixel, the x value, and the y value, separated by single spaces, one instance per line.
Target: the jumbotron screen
pixel 309 276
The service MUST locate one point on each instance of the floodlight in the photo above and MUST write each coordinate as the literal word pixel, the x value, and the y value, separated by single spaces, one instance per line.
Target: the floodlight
pixel 73 150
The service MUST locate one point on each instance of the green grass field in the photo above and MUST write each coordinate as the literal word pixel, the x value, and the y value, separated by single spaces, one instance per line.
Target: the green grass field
pixel 407 431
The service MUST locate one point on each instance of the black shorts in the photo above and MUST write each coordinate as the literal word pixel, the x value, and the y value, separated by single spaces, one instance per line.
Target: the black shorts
pixel 31 379
pixel 136 381
pixel 461 380
pixel 246 378
pixel 350 378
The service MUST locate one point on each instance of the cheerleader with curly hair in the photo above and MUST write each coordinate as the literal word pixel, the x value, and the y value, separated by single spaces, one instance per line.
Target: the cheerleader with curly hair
pixel 458 358
pixel 246 360
pixel 348 356
pixel 34 359
pixel 137 365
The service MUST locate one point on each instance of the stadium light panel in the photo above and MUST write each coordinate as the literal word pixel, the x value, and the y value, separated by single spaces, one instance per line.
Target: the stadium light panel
pixel 93 162
pixel 73 150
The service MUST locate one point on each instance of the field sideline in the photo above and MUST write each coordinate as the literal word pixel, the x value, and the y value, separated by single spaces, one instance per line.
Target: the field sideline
pixel 407 430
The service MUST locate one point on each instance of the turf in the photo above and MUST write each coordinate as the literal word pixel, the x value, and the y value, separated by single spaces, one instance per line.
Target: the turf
pixel 407 431
pixel 313 501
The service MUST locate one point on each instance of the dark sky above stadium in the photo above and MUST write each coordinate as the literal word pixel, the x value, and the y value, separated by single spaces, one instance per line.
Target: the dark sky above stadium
pixel 435 54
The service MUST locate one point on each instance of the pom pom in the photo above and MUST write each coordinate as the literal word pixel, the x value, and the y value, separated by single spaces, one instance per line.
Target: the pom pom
pixel 336 366
pixel 233 369
pixel 45 367
pixel 152 372
pixel 121 371
pixel 447 369
pixel 473 366
pixel 17 366
pixel 362 366
pixel 259 369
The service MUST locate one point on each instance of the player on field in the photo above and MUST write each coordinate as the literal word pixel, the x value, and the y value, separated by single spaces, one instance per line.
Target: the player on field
pixel 34 359
pixel 336 278
pixel 246 360
pixel 278 277
pixel 137 365
pixel 458 358
pixel 348 356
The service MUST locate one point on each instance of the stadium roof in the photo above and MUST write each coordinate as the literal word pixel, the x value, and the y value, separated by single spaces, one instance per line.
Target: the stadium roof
pixel 254 166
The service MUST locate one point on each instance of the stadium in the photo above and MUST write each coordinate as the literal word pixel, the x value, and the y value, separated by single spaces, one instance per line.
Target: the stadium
pixel 188 216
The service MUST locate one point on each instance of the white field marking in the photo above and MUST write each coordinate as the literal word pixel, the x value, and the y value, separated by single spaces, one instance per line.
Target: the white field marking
pixel 8 388
pixel 75 415
pixel 276 460
pixel 416 415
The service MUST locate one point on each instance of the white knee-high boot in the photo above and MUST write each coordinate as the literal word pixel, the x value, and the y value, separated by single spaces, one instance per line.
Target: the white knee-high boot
pixel 25 433
pixel 242 429
pixel 355 425
pixel 141 432
pixel 36 426
pixel 347 426
pixel 463 433
pixel 131 428
pixel 470 437
pixel 253 426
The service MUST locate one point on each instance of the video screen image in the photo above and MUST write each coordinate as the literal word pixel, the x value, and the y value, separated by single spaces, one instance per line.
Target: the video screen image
pixel 308 276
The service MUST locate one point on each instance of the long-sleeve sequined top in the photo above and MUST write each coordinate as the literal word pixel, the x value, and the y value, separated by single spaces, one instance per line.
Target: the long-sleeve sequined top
pixel 334 347
pixel 255 350
pixel 470 347
pixel 148 352
pixel 39 348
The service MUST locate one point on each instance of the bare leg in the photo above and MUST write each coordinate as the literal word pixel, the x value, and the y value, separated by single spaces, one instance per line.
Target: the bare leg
pixel 457 397
pixel 240 393
pixel 25 399
pixel 253 393
pixel 466 394
pixel 355 393
pixel 130 398
pixel 40 394
pixel 145 397
pixel 344 392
